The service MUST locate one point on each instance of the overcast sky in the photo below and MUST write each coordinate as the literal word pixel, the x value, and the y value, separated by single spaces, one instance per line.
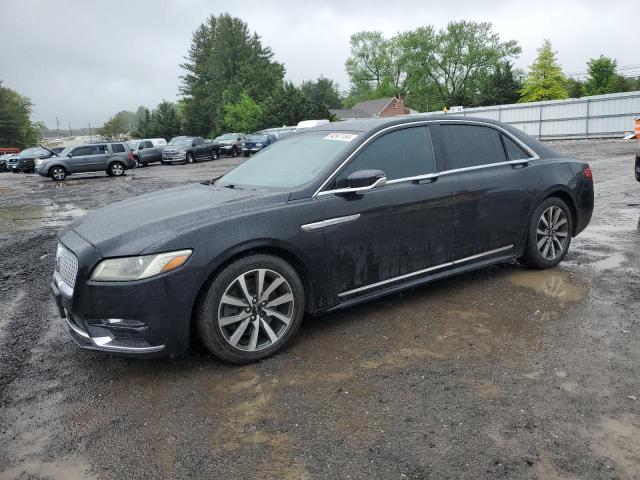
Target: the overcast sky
pixel 83 61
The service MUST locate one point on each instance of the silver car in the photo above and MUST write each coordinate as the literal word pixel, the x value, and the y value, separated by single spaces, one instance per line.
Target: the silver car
pixel 113 158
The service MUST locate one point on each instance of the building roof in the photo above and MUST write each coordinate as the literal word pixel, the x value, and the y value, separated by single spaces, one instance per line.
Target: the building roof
pixel 366 109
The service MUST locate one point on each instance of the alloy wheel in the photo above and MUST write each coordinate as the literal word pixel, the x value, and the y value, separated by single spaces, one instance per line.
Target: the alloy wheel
pixel 58 173
pixel 117 169
pixel 256 310
pixel 552 233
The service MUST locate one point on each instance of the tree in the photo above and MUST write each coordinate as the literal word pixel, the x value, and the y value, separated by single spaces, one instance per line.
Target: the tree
pixel 574 87
pixel 545 80
pixel 322 92
pixel 16 128
pixel 501 86
pixel 144 124
pixel 164 121
pixel 243 116
pixel 224 56
pixel 375 66
pixel 287 106
pixel 602 77
pixel 114 128
pixel 450 64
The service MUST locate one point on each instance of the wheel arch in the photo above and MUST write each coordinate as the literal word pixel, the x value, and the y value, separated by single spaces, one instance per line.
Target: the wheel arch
pixel 55 165
pixel 262 246
pixel 564 194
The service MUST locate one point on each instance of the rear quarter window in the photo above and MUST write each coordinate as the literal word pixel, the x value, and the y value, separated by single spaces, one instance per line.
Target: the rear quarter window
pixel 117 148
pixel 464 146
pixel 514 151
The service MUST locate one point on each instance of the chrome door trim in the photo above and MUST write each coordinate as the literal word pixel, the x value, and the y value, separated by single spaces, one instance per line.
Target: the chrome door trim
pixel 309 227
pixel 425 270
pixel 527 148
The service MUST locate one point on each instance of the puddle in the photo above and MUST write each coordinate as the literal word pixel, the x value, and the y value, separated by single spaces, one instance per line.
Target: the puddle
pixel 618 439
pixel 31 217
pixel 552 283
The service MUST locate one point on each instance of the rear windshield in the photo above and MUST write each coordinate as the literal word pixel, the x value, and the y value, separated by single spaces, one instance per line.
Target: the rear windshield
pixel 291 162
pixel 180 142
pixel 117 148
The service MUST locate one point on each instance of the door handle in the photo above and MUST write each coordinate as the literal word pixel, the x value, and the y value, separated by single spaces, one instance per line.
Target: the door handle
pixel 519 163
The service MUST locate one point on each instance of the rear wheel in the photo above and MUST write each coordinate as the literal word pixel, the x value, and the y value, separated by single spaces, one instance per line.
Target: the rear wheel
pixel 116 169
pixel 214 154
pixel 549 234
pixel 251 310
pixel 189 158
pixel 136 162
pixel 234 152
pixel 58 174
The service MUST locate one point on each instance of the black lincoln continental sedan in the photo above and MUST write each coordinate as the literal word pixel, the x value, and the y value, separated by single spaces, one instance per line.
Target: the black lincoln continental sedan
pixel 321 220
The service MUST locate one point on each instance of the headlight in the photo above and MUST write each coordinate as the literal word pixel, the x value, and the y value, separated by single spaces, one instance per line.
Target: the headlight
pixel 39 161
pixel 137 268
pixel 258 144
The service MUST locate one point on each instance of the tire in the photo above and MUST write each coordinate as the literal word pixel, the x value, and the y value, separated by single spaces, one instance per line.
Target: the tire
pixel 549 234
pixel 58 174
pixel 136 162
pixel 245 154
pixel 116 169
pixel 214 155
pixel 273 333
pixel 189 158
pixel 234 152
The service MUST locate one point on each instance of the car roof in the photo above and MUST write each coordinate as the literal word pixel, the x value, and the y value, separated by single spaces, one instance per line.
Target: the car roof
pixel 371 125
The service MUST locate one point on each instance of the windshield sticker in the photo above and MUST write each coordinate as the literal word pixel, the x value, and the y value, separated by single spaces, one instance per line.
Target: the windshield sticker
pixel 344 137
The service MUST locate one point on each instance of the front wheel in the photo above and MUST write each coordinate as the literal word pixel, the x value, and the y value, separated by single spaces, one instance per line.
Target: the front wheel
pixel 58 174
pixel 214 155
pixel 189 158
pixel 234 152
pixel 549 234
pixel 251 310
pixel 116 169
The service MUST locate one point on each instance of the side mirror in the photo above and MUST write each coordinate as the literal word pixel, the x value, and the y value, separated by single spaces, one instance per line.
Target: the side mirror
pixel 366 179
pixel 140 147
pixel 69 155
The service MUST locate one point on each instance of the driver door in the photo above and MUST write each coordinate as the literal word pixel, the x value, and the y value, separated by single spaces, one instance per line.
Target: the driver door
pixel 392 233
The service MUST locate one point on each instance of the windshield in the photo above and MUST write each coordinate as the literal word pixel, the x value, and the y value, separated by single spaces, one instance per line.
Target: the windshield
pixel 227 136
pixel 257 138
pixel 134 145
pixel 180 142
pixel 65 151
pixel 34 152
pixel 291 162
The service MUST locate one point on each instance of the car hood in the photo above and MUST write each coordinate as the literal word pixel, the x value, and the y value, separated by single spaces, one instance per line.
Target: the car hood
pixel 131 226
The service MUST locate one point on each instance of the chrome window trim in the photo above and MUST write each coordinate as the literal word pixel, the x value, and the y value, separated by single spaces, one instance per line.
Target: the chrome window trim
pixel 527 148
pixel 309 227
pixel 425 270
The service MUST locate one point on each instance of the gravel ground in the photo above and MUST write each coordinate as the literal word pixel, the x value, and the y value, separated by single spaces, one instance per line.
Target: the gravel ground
pixel 500 373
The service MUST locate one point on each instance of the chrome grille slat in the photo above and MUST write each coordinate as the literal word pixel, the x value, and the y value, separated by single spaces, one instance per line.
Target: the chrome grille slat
pixel 66 265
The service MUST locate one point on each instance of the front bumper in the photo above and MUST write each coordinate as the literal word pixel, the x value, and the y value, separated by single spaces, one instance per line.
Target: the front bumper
pixel 148 318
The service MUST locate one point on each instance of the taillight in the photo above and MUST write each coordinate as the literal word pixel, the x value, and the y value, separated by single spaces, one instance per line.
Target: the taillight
pixel 586 171
pixel 130 155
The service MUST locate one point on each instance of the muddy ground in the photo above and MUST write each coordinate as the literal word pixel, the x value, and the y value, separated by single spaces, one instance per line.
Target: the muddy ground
pixel 501 373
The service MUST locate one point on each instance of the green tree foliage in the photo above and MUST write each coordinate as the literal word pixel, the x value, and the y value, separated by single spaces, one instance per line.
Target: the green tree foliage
pixel 545 80
pixel 375 66
pixel 322 92
pixel 574 87
pixel 114 129
pixel 432 68
pixel 16 128
pixel 454 60
pixel 287 105
pixel 501 86
pixel 603 77
pixel 164 121
pixel 243 116
pixel 224 60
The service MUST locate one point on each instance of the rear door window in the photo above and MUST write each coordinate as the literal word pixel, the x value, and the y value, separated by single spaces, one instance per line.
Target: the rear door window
pixel 399 154
pixel 84 151
pixel 118 148
pixel 464 146
pixel 514 151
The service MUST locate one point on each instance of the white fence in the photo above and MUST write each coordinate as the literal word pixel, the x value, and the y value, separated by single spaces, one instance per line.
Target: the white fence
pixel 587 117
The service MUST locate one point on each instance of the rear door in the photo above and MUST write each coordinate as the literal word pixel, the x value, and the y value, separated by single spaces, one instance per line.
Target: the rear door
pixel 148 153
pixel 491 194
pixel 389 234
pixel 84 159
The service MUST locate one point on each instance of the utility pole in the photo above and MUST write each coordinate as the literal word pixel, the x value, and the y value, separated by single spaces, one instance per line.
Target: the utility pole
pixel 70 134
pixel 90 137
pixel 58 126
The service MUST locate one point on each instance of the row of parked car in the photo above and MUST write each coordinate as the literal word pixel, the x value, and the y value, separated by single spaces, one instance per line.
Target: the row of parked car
pixel 115 158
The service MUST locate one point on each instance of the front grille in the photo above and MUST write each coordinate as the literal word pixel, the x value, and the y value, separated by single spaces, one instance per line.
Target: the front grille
pixel 66 265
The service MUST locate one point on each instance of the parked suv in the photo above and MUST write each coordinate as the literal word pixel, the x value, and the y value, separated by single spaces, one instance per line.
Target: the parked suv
pixel 231 143
pixel 190 149
pixel 25 161
pixel 4 161
pixel 112 158
pixel 147 150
